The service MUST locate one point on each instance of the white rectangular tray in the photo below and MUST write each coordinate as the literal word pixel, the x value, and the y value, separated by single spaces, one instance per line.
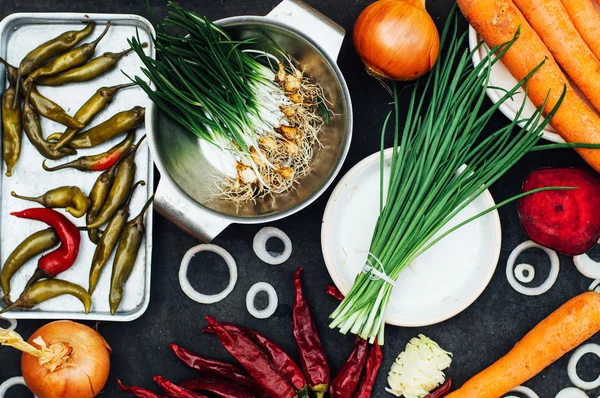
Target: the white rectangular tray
pixel 19 34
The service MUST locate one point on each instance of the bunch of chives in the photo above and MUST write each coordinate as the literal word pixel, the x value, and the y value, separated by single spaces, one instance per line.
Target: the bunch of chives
pixel 208 83
pixel 443 133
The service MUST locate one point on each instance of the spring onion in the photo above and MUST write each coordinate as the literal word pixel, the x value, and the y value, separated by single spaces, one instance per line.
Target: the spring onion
pixel 443 133
pixel 246 97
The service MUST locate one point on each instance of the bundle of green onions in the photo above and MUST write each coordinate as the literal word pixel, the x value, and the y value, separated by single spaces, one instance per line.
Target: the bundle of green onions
pixel 254 104
pixel 440 164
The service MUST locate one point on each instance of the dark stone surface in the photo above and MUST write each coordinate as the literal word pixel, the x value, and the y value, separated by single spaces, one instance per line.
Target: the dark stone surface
pixel 477 337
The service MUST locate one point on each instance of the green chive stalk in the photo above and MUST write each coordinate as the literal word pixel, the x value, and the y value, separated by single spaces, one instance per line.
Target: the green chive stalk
pixel 216 87
pixel 441 162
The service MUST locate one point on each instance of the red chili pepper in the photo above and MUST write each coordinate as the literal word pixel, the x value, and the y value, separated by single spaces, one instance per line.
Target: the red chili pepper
pixel 137 391
pixel 100 162
pixel 442 391
pixel 279 359
pixel 256 363
pixel 218 386
pixel 368 380
pixel 62 258
pixel 346 382
pixel 334 292
pixel 312 355
pixel 217 368
pixel 175 391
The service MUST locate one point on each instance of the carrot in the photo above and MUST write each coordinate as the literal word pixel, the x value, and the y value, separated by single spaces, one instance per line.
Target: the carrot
pixel 497 21
pixel 573 323
pixel 552 23
pixel 586 18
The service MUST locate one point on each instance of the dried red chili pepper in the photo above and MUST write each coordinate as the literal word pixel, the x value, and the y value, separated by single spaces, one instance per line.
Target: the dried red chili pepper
pixel 346 382
pixel 137 391
pixel 334 292
pixel 217 368
pixel 442 391
pixel 175 391
pixel 368 380
pixel 62 258
pixel 312 355
pixel 254 360
pixel 217 386
pixel 279 358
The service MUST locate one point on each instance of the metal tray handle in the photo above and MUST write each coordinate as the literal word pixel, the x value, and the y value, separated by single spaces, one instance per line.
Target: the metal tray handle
pixel 322 30
pixel 185 213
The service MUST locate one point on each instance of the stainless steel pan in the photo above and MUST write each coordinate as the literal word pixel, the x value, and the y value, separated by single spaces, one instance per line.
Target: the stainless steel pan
pixel 184 192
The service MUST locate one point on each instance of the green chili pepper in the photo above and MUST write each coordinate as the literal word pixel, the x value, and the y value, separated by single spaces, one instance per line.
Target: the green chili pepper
pixel 68 60
pixel 109 240
pixel 116 125
pixel 12 132
pixel 52 48
pixel 72 199
pixel 125 257
pixel 11 72
pixel 35 244
pixel 44 106
pixel 99 162
pixel 92 107
pixel 33 130
pixel 86 72
pixel 119 191
pixel 98 196
pixel 47 289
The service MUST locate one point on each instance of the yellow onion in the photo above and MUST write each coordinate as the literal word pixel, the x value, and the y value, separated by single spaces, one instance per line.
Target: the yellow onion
pixel 76 364
pixel 397 39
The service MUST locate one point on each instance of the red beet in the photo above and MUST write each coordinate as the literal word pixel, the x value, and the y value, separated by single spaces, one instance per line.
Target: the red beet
pixel 566 221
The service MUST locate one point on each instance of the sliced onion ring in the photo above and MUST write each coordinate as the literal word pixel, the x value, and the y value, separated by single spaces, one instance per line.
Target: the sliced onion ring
pixel 528 392
pixel 548 283
pixel 12 325
pixel 13 381
pixel 520 273
pixel 595 286
pixel 185 283
pixel 260 245
pixel 587 267
pixel 571 392
pixel 572 368
pixel 273 300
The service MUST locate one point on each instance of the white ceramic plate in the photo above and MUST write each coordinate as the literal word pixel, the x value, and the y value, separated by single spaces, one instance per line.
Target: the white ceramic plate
pixel 439 284
pixel 502 78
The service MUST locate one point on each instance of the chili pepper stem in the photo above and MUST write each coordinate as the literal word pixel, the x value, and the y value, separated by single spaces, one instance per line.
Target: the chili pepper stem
pixel 59 167
pixel 37 275
pixel 14 305
pixel 125 52
pixel 143 211
pixel 95 42
pixel 30 198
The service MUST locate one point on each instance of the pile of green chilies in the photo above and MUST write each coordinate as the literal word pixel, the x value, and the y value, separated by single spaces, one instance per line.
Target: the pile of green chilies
pixel 441 162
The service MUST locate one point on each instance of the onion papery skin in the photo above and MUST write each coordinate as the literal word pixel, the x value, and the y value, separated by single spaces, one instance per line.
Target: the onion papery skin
pixel 82 376
pixel 396 39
